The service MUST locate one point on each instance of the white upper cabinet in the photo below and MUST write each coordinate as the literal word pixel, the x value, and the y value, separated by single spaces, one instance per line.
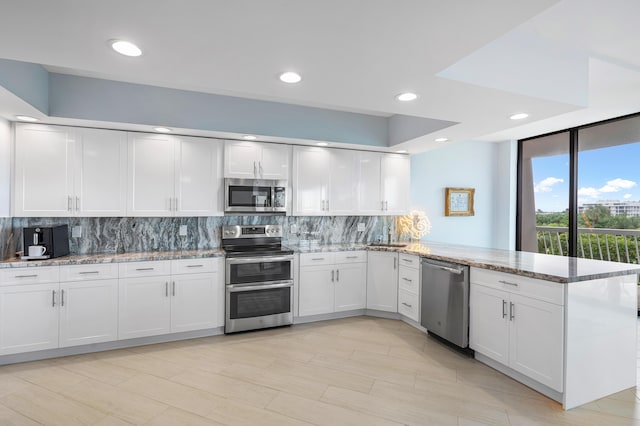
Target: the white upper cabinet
pixel 66 171
pixel 395 182
pixel 310 180
pixel 384 181
pixel 324 181
pixel 43 170
pixel 151 175
pixel 100 173
pixel 173 176
pixel 256 160
pixel 198 183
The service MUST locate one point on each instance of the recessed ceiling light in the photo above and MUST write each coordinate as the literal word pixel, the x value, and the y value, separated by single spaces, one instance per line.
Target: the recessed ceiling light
pixel 322 144
pixel 441 139
pixel 162 129
pixel 402 151
pixel 519 116
pixel 125 48
pixel 250 137
pixel 406 97
pixel 290 77
pixel 26 118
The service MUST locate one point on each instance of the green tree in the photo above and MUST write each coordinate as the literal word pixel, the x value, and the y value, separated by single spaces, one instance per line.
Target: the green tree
pixel 596 216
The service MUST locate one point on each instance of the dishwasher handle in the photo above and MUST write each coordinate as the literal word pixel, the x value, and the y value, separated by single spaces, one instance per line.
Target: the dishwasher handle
pixel 444 268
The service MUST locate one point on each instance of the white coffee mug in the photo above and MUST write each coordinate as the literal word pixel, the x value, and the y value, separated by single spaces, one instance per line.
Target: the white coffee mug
pixel 36 251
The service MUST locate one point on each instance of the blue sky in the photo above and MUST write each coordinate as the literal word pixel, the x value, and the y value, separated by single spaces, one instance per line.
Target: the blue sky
pixel 603 174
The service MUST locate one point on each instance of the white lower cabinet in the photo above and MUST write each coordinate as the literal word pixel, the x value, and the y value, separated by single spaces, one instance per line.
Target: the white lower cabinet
pixel 28 317
pixel 382 281
pixel 332 282
pixel 170 303
pixel 409 287
pixel 518 322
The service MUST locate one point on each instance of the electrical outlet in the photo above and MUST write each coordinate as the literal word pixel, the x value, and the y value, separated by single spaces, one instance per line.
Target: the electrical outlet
pixel 294 228
pixel 361 227
pixel 183 231
pixel 76 232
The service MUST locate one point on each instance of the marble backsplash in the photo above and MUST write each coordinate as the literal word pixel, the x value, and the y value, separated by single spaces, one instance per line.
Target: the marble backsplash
pixel 136 234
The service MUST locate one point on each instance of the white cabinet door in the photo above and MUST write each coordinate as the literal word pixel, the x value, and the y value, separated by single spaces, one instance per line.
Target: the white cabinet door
pixel 489 322
pixel 274 161
pixel 28 318
pixel 151 175
pixel 100 173
pixel 370 190
pixel 382 281
pixel 350 286
pixel 88 312
pixel 198 177
pixel 316 290
pixel 144 307
pixel 43 170
pixel 395 176
pixel 194 302
pixel 536 340
pixel 311 174
pixel 241 159
pixel 343 182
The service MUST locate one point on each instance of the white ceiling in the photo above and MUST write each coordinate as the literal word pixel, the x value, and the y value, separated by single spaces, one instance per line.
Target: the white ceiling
pixel 474 62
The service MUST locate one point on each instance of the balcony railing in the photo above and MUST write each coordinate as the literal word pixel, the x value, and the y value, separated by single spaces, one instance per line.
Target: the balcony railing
pixel 616 245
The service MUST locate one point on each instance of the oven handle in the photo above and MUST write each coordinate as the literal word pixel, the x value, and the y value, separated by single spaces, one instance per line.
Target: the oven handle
pixel 261 259
pixel 234 288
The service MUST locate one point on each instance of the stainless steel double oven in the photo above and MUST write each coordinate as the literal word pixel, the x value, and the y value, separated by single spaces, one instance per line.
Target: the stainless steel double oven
pixel 258 278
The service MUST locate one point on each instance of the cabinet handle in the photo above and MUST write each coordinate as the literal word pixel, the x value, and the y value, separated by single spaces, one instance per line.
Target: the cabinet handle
pixel 382 205
pixel 61 297
pixel 173 290
pixel 318 258
pixel 406 304
pixel 407 279
pixel 327 205
pixel 195 266
pixel 508 283
pixel 407 260
pixel 504 309
pixel 332 275
pixel 512 311
pixel 352 257
pixel 53 298
pixel 394 262
pixel 260 168
pixel 175 206
pixel 77 204
pixel 69 203
pixel 27 276
pixel 144 269
pixel 88 272
pixel 337 274
pixel 166 289
pixel 255 169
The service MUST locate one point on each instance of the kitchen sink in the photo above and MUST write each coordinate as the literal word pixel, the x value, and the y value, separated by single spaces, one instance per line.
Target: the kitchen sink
pixel 388 244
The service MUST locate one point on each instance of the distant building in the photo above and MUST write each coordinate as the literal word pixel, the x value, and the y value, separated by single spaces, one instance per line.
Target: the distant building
pixel 616 207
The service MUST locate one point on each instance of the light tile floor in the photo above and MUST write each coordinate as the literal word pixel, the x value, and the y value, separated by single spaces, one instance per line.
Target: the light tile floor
pixel 357 371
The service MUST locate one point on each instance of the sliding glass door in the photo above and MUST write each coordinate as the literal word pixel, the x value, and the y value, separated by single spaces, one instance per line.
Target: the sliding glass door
pixel 579 192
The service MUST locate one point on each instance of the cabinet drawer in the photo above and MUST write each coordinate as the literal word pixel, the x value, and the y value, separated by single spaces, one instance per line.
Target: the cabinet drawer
pixel 194 266
pixel 33 275
pixel 537 289
pixel 408 305
pixel 409 261
pixel 144 269
pixel 89 272
pixel 409 279
pixel 350 257
pixel 308 259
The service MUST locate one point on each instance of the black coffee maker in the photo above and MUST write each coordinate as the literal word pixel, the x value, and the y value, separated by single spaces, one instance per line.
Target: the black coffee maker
pixel 44 242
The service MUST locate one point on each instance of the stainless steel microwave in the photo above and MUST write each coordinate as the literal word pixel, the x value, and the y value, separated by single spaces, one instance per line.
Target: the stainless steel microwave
pixel 255 196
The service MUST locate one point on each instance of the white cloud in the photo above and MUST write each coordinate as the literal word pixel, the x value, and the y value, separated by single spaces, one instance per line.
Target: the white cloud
pixel 546 184
pixel 627 196
pixel 614 185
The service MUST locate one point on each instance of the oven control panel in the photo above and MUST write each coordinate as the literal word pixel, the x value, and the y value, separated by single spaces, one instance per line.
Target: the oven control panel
pixel 251 231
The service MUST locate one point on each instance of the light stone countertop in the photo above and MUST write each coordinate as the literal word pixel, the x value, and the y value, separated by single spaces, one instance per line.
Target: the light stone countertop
pixel 558 269
pixel 113 258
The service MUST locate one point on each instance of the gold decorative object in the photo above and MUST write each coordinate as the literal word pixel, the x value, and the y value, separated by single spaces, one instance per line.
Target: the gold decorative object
pixel 415 225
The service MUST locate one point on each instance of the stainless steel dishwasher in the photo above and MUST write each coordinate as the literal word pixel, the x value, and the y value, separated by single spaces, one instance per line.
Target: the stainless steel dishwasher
pixel 445 300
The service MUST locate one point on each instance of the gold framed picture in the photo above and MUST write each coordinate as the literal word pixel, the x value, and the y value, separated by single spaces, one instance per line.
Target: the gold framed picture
pixel 458 201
